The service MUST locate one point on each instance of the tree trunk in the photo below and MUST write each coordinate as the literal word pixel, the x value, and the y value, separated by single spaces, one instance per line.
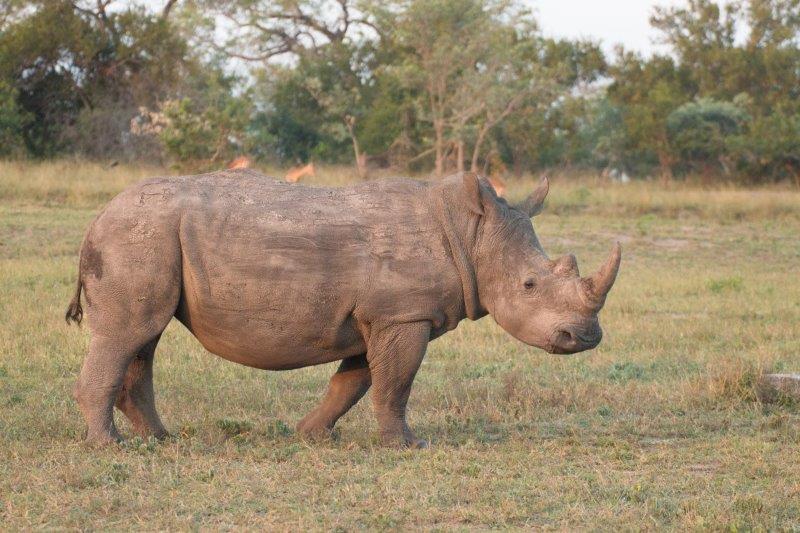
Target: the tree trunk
pixel 361 166
pixel 707 173
pixel 794 172
pixel 460 155
pixel 439 143
pixel 361 159
pixel 476 152
pixel 665 164
pixel 517 166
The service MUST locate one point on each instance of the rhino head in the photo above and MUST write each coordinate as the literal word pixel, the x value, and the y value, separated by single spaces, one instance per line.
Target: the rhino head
pixel 542 302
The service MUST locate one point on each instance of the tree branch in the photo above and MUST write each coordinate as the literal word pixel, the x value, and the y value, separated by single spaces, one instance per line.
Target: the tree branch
pixel 167 8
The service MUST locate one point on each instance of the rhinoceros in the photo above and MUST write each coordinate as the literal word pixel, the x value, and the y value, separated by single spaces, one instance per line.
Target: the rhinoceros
pixel 279 276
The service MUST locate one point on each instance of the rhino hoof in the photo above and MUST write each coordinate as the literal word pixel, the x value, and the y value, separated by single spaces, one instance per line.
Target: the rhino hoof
pixel 102 440
pixel 419 444
pixel 314 433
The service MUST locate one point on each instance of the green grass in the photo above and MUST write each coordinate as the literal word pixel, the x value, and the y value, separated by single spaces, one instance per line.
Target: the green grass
pixel 657 428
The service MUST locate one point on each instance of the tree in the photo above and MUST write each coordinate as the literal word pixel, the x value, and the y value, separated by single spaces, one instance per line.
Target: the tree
pixel 286 124
pixel 700 133
pixel 210 127
pixel 539 132
pixel 771 147
pixel 261 30
pixel 764 70
pixel 341 91
pixel 647 91
pixel 461 59
pixel 701 35
pixel 320 37
pixel 97 56
pixel 13 121
pixel 503 82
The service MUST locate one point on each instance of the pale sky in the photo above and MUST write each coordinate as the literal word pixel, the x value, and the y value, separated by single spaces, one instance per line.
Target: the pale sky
pixel 610 21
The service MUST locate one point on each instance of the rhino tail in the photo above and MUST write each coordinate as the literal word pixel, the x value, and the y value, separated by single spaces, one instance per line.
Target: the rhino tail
pixel 74 309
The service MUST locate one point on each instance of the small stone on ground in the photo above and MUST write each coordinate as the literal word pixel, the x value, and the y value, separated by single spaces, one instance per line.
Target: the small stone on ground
pixel 776 387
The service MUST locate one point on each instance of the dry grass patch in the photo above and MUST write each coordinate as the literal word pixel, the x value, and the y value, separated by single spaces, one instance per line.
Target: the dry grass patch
pixel 657 428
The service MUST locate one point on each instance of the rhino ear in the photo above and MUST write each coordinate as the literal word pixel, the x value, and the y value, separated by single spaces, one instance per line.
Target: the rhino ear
pixel 533 204
pixel 472 192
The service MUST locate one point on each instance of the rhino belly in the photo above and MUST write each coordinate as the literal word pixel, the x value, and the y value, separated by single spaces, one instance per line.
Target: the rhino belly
pixel 268 298
pixel 268 340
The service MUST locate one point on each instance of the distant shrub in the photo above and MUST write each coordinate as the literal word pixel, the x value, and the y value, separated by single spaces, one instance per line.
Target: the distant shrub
pixel 12 122
pixel 701 134
pixel 210 126
pixel 771 147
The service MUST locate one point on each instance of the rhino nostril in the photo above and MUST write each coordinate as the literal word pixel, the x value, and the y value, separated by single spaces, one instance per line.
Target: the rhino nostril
pixel 565 337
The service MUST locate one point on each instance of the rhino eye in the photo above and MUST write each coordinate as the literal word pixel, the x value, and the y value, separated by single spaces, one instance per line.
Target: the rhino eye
pixel 529 284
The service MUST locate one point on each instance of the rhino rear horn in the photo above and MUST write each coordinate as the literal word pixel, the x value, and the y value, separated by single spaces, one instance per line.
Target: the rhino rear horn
pixel 533 204
pixel 598 284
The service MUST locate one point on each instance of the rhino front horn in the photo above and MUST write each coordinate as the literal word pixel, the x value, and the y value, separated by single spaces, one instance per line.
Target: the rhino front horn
pixel 601 281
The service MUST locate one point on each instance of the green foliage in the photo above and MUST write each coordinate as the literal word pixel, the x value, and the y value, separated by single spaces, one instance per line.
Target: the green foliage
pixel 771 148
pixel 30 65
pixel 383 123
pixel 286 124
pixel 211 125
pixel 406 83
pixel 647 91
pixel 188 136
pixel 555 124
pixel 207 133
pixel 90 73
pixel 721 106
pixel 700 133
pixel 13 121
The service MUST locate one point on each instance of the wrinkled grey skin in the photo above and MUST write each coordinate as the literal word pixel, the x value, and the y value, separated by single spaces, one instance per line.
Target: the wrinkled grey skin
pixel 279 276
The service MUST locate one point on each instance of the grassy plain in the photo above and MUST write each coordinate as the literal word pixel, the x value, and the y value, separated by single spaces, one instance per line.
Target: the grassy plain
pixel 657 428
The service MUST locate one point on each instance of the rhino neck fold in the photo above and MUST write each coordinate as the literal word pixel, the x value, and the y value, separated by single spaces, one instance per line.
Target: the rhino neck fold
pixel 463 261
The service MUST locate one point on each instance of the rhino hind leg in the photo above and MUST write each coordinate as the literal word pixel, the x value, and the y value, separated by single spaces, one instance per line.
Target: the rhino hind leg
pixel 130 275
pixel 118 371
pixel 136 398
pixel 99 384
pixel 347 386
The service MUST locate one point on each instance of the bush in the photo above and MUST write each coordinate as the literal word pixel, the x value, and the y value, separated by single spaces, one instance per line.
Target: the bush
pixel 772 147
pixel 100 132
pixel 701 134
pixel 207 133
pixel 12 122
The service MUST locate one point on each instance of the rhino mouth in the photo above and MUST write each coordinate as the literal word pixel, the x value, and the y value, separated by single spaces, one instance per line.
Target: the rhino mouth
pixel 569 341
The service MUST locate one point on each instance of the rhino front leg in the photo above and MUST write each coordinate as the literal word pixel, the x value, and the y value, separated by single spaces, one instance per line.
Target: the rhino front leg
pixel 394 354
pixel 346 387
